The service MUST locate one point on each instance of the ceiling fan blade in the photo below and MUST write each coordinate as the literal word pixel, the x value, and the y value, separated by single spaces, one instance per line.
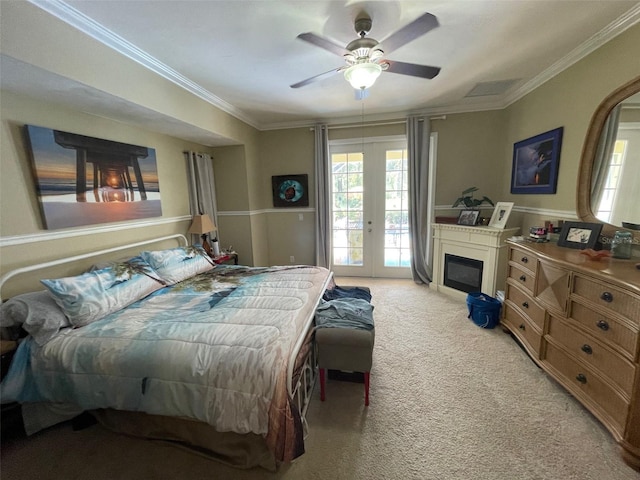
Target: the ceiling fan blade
pixel 317 77
pixel 423 71
pixel 411 31
pixel 323 43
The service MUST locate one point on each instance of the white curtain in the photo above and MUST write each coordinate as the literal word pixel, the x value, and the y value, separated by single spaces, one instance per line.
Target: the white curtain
pixel 323 237
pixel 202 189
pixel 418 133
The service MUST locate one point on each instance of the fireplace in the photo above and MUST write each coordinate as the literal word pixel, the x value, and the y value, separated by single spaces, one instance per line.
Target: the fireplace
pixel 461 273
pixel 469 259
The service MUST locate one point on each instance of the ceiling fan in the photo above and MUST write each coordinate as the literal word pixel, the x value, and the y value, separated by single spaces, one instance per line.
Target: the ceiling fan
pixel 364 56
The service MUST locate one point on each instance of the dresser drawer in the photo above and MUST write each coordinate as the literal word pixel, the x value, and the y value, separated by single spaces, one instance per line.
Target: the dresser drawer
pixel 583 382
pixel 524 259
pixel 523 329
pixel 607 296
pixel 523 278
pixel 610 330
pixel 589 350
pixel 524 301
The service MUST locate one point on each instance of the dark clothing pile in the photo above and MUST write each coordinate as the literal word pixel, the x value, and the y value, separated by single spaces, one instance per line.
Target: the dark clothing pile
pixel 345 307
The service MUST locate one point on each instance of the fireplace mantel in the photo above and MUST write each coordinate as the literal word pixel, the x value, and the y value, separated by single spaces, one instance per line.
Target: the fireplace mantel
pixel 486 244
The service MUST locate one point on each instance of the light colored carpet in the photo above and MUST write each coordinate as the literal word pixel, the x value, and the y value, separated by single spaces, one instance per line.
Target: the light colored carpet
pixel 449 401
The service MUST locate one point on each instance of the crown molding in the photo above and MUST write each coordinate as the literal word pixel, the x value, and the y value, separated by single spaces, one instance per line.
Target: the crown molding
pixel 615 28
pixel 78 20
pixel 387 117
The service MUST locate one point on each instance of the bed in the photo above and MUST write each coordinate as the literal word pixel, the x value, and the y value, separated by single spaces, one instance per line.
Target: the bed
pixel 168 345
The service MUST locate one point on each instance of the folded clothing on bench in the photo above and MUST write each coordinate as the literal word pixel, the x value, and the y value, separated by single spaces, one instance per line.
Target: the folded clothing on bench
pixel 345 313
pixel 347 292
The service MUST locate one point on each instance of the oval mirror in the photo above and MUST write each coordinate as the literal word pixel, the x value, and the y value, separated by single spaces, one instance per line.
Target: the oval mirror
pixel 609 177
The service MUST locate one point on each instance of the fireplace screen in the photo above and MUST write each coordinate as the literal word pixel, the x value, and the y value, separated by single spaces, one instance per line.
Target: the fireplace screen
pixel 464 274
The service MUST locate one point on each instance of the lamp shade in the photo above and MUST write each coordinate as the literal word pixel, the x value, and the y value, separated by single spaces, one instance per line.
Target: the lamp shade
pixel 202 224
pixel 362 75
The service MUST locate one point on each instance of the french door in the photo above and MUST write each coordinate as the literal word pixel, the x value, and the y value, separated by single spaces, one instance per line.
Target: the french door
pixel 370 209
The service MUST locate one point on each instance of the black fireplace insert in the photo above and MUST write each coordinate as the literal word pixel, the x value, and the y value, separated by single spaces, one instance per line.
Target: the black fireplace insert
pixel 464 274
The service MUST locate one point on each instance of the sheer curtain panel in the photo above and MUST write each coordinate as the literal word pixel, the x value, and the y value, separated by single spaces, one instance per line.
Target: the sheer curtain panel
pixel 202 189
pixel 418 133
pixel 603 156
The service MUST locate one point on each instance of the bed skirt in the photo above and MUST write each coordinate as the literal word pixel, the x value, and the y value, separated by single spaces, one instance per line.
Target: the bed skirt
pixel 233 449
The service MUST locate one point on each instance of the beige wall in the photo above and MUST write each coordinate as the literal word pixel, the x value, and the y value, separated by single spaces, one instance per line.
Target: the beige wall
pixel 19 210
pixel 474 149
pixel 568 100
pixel 469 155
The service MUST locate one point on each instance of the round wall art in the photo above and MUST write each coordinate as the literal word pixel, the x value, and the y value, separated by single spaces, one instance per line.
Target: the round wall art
pixel 290 190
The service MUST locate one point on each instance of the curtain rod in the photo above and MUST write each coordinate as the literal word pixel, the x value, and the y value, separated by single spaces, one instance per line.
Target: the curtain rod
pixel 391 122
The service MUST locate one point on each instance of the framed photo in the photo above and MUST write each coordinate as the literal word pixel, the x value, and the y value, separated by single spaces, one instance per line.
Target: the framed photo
pixel 468 217
pixel 501 214
pixel 535 163
pixel 579 235
pixel 290 190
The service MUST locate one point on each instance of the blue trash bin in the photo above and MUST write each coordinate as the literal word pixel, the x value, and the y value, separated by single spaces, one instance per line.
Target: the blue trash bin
pixel 484 310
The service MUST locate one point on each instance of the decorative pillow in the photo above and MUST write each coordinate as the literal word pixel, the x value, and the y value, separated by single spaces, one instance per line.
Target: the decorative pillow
pixel 108 263
pixel 177 264
pixel 93 295
pixel 37 313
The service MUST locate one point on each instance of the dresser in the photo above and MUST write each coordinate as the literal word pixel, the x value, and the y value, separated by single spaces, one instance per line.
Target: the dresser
pixel 579 320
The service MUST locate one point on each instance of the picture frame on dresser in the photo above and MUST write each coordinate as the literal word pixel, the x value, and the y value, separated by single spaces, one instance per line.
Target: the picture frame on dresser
pixel 579 235
pixel 501 214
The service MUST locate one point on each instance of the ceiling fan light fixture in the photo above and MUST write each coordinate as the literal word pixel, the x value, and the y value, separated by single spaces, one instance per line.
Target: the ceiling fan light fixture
pixel 362 75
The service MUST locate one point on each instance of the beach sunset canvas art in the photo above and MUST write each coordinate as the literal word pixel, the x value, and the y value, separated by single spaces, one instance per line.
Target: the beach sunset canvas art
pixel 84 180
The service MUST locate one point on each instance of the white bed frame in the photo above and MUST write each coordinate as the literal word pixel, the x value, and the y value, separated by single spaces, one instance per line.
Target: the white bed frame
pixel 300 390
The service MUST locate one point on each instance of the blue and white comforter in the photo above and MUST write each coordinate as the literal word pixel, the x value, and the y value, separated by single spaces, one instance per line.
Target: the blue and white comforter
pixel 213 348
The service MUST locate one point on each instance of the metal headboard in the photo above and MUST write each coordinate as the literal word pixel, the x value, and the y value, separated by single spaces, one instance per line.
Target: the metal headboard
pixel 41 266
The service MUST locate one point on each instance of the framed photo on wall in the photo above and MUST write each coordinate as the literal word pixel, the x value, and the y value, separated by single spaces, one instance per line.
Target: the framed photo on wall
pixel 468 217
pixel 535 163
pixel 83 180
pixel 501 214
pixel 579 235
pixel 290 190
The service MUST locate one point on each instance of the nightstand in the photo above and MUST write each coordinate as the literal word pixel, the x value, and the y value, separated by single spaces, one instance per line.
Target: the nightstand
pixel 7 349
pixel 226 258
pixel 11 413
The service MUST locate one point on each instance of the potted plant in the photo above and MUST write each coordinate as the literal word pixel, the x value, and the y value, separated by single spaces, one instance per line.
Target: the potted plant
pixel 469 201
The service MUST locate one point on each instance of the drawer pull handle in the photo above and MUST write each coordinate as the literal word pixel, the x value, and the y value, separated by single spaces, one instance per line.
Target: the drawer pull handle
pixel 581 378
pixel 523 278
pixel 521 327
pixel 524 260
pixel 603 325
pixel 587 349
pixel 607 297
pixel 525 304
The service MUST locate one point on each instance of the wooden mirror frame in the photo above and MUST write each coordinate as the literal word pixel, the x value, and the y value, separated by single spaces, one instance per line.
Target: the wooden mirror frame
pixel 583 194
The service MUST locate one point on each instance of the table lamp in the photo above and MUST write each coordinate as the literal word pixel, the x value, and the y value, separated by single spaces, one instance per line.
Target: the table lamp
pixel 202 225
